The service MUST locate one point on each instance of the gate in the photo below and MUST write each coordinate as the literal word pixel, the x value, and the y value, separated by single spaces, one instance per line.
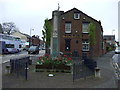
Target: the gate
pixel 78 68
pixel 20 66
pixel 82 69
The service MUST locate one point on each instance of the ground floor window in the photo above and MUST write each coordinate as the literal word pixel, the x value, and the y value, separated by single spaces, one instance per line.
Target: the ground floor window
pixel 85 45
pixel 67 44
pixel 9 45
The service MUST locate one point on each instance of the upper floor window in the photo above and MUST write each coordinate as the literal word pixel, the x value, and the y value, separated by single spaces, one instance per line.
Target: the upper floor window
pixel 85 27
pixel 76 15
pixel 68 27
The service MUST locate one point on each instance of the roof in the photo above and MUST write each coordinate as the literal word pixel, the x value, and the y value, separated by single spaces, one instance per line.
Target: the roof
pixel 28 36
pixel 109 35
pixel 63 13
pixel 82 13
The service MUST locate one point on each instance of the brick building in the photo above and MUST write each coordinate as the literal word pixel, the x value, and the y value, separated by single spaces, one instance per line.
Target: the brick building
pixel 110 39
pixel 73 33
pixel 110 42
pixel 35 40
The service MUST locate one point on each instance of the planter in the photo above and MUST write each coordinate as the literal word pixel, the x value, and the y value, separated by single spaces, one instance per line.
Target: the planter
pixel 52 68
pixel 62 67
pixel 43 66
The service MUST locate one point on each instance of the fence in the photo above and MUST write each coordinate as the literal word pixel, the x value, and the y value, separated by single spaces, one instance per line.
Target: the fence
pixel 20 66
pixel 78 70
pixel 83 68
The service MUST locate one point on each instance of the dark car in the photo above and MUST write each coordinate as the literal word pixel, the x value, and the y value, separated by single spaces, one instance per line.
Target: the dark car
pixel 33 50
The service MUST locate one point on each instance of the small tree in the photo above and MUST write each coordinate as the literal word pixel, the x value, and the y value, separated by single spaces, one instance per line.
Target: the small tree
pixel 92 37
pixel 47 34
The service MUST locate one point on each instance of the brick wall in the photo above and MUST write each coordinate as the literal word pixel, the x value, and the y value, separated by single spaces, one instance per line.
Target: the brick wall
pixel 76 34
pixel 76 25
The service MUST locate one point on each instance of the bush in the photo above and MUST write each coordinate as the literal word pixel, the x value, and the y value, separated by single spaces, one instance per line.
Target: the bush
pixel 108 49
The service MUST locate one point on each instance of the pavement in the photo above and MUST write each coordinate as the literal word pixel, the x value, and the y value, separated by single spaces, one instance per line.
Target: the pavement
pixel 63 80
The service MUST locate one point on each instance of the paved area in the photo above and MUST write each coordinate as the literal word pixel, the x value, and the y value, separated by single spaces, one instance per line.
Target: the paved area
pixel 63 80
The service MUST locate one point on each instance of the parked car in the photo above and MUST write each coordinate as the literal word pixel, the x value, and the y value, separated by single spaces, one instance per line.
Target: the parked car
pixel 43 48
pixel 117 50
pixel 33 50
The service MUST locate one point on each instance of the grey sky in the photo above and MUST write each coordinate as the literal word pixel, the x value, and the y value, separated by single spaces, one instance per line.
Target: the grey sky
pixel 30 14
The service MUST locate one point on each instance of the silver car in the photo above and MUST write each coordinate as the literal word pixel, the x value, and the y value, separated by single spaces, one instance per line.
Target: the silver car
pixel 33 49
pixel 117 50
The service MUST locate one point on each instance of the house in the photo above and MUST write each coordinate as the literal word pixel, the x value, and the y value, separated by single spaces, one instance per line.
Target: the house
pixel 110 39
pixel 24 38
pixel 35 40
pixel 73 33
pixel 110 42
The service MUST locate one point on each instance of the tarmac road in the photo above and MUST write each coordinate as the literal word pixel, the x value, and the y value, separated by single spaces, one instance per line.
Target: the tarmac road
pixel 64 80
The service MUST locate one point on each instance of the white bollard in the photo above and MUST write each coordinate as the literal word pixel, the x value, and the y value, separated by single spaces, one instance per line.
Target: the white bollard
pixel 97 72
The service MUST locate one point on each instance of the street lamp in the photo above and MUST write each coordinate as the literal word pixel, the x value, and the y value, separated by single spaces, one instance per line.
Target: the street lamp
pixel 113 32
pixel 30 31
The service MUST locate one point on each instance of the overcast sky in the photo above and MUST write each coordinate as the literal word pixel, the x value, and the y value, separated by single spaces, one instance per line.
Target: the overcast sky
pixel 30 14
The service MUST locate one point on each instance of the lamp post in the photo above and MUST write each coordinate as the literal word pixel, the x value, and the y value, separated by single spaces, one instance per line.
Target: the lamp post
pixel 30 37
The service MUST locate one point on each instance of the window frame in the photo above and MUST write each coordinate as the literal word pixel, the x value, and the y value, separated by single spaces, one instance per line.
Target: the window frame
pixel 78 15
pixel 85 42
pixel 87 31
pixel 68 27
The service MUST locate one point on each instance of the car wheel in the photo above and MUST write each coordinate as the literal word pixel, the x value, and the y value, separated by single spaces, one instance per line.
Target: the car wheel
pixel 28 52
pixel 38 52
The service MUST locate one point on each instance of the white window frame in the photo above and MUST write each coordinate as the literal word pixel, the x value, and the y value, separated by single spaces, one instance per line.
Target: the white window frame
pixel 78 15
pixel 83 27
pixel 67 27
pixel 85 43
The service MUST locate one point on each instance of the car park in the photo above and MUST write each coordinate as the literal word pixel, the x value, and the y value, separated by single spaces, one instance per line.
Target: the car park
pixel 33 50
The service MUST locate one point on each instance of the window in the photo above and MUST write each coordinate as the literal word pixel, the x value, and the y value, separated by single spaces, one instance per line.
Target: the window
pixel 85 27
pixel 76 15
pixel 20 46
pixel 9 45
pixel 85 45
pixel 67 44
pixel 103 45
pixel 67 27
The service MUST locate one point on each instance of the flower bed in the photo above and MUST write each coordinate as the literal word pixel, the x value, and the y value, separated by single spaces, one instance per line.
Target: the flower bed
pixel 58 64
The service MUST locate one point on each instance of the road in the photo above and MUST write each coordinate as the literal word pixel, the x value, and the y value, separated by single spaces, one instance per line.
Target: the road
pixel 6 58
pixel 116 64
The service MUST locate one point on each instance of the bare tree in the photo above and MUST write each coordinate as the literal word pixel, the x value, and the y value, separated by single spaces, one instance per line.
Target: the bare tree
pixel 1 30
pixel 9 27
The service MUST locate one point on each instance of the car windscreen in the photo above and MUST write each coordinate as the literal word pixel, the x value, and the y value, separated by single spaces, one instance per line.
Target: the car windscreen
pixel 32 47
pixel 118 48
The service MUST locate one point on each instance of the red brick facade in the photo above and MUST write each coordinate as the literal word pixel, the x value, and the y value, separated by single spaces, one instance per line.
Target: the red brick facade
pixel 35 40
pixel 76 36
